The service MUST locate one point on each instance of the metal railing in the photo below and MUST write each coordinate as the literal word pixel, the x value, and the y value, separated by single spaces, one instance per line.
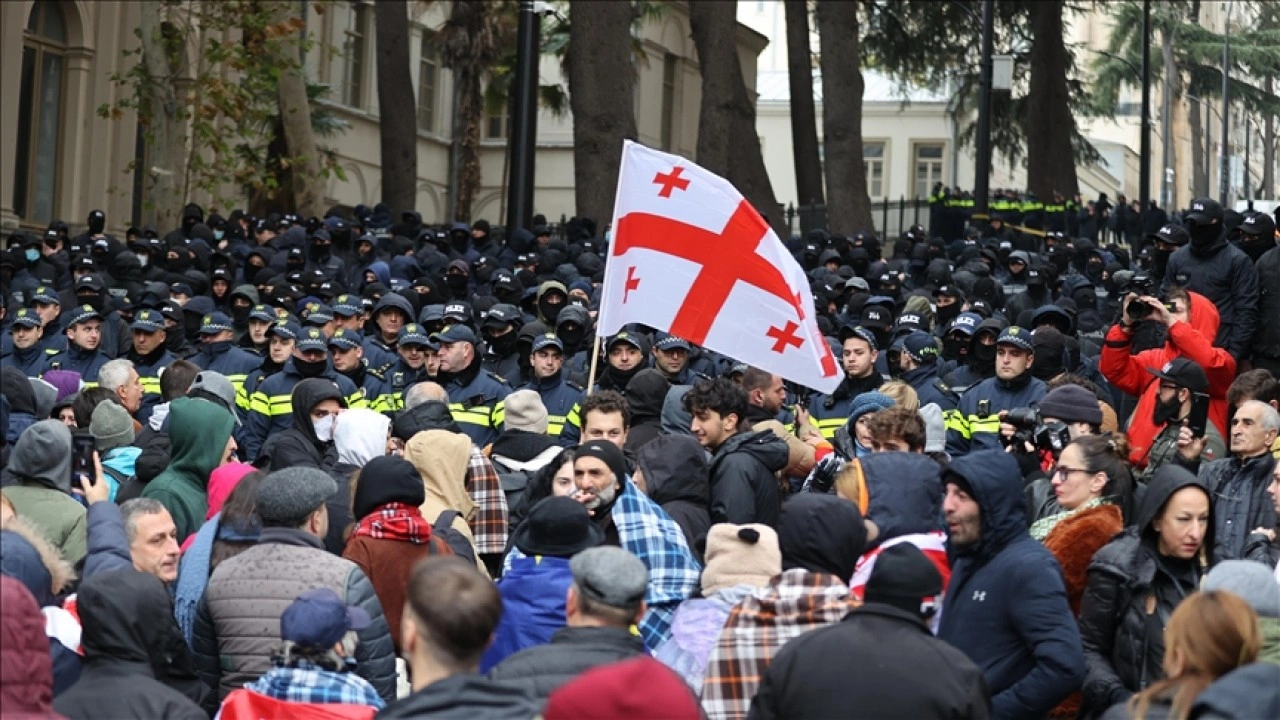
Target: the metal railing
pixel 891 217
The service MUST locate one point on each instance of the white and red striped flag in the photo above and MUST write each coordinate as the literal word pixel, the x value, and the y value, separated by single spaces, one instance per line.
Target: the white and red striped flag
pixel 689 255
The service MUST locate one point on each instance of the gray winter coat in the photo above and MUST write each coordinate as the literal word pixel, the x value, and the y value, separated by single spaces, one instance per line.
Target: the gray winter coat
pixel 237 625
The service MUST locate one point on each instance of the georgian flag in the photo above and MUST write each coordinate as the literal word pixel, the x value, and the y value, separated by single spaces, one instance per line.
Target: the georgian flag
pixel 690 256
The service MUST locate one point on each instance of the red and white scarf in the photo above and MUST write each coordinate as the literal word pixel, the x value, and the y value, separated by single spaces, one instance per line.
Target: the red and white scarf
pixel 395 521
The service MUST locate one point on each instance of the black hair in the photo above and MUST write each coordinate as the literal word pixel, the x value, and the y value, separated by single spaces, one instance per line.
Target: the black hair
pixel 721 396
pixel 606 401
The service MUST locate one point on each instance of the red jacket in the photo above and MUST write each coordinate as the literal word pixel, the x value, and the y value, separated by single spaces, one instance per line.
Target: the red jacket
pixel 1192 340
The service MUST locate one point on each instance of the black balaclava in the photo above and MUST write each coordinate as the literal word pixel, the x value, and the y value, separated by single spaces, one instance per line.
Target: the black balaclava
pixel 308 369
pixel 503 345
pixel 945 314
pixel 1203 236
pixel 320 250
pixel 97 221
pixel 572 335
pixel 1160 261
pixel 550 311
pixel 458 284
pixel 181 262
pixel 955 349
pixel 191 326
pixel 240 315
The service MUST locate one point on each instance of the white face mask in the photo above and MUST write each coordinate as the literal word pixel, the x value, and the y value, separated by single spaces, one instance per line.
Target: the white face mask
pixel 324 427
pixel 143 259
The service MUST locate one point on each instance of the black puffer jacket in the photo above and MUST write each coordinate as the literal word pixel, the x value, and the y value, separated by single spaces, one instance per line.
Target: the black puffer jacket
pixel 572 651
pixel 744 488
pixel 675 477
pixel 1225 275
pixel 1132 591
pixel 134 666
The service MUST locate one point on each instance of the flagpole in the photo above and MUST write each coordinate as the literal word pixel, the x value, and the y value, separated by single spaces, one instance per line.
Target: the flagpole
pixel 604 290
pixel 595 357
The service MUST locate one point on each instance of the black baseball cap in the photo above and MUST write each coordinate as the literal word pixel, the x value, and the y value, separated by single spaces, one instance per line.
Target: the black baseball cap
pixel 1172 233
pixel 1183 372
pixel 1205 210
pixel 1258 224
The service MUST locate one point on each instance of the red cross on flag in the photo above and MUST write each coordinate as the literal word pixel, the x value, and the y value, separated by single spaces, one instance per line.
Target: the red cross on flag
pixel 690 256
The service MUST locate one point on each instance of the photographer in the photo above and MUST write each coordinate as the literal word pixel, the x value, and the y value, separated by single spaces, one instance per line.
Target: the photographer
pixel 1065 414
pixel 1192 324
pixel 1175 393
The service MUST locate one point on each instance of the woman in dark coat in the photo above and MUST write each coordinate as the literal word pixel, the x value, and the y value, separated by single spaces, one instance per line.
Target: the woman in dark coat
pixel 1136 581
pixel 672 471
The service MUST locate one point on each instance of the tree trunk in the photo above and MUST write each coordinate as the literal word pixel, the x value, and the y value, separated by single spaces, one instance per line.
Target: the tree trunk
pixel 166 127
pixel 602 98
pixel 727 140
pixel 295 117
pixel 1198 167
pixel 804 126
pixel 397 113
pixel 1049 122
pixel 848 206
pixel 1268 146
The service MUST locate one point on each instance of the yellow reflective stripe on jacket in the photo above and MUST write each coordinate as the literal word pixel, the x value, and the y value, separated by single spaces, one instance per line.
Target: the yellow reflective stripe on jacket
pixel 555 423
pixel 271 406
pixel 983 423
pixel 242 398
pixel 953 420
pixel 357 400
pixel 829 426
pixel 150 385
pixel 478 415
pixel 574 417
pixel 498 414
pixel 387 402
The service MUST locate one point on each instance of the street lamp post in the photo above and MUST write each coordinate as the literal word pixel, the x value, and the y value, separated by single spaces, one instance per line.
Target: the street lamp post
pixel 1144 172
pixel 1224 179
pixel 983 171
pixel 524 120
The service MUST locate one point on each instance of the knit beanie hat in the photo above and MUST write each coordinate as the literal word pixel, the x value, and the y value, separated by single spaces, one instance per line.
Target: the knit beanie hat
pixel 608 453
pixel 868 402
pixel 293 493
pixel 525 411
pixel 738 555
pixel 935 428
pixel 111 426
pixel 385 479
pixel 904 578
pixel 67 382
pixel 1071 403
pixel 1252 581
pixel 640 687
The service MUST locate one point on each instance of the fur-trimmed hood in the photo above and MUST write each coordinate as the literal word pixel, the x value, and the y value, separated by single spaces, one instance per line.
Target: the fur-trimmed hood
pixel 25 555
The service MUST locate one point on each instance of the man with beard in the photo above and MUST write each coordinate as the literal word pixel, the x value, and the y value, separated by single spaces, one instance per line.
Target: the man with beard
pixel 475 394
pixel 501 336
pixel 861 349
pixel 1221 272
pixel 1174 397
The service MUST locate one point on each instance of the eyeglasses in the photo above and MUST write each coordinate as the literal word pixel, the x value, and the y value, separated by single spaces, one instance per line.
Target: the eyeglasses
pixel 1065 471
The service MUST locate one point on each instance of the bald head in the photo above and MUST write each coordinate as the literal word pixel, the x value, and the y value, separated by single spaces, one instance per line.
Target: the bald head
pixel 424 391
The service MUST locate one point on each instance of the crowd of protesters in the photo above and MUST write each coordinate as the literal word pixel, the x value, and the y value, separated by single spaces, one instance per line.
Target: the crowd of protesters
pixel 358 465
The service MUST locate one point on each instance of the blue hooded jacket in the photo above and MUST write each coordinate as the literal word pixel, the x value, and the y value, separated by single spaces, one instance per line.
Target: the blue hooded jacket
pixel 1006 605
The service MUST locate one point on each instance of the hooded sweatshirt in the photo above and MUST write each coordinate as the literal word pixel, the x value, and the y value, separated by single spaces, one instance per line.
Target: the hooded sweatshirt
pixel 360 435
pixel 38 483
pixel 22 403
pixel 441 458
pixel 135 656
pixel 675 477
pixel 1006 606
pixel 198 434
pixel 645 395
pixel 1129 373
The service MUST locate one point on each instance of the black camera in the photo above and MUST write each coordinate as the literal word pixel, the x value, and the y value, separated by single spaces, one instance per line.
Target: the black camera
pixel 1141 284
pixel 1051 437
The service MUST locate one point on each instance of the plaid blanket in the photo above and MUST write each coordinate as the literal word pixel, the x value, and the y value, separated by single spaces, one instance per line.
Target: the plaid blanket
pixel 649 533
pixel 489 524
pixel 307 683
pixel 793 603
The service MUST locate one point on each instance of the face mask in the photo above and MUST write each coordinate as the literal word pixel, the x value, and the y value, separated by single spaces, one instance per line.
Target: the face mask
pixel 219 234
pixel 143 259
pixel 504 345
pixel 365 255
pixel 32 254
pixel 947 314
pixel 1161 261
pixel 549 311
pixel 571 336
pixel 292 264
pixel 1048 367
pixel 97 302
pixel 97 221
pixel 324 427
pixel 191 326
pixel 1203 236
pixel 984 354
pixel 1164 412
pixel 460 241
pixel 307 368
pixel 319 251
pixel 1093 270
pixel 240 314
pixel 457 285
pixel 953 349
pixel 484 274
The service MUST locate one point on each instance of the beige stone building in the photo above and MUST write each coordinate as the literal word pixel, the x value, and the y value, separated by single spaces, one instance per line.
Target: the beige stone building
pixel 59 160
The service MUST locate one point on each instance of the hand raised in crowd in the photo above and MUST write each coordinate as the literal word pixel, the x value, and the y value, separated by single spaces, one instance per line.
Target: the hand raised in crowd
pixel 93 489
pixel 1189 446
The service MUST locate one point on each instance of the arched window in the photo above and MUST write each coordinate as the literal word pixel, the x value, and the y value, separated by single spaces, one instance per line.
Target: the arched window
pixel 44 45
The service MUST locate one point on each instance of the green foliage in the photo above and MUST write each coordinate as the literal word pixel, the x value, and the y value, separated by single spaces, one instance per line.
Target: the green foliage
pixel 226 98
pixel 936 44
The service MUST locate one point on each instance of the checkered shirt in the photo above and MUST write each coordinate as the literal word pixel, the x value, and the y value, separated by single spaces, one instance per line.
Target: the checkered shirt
pixel 793 603
pixel 307 683
pixel 489 524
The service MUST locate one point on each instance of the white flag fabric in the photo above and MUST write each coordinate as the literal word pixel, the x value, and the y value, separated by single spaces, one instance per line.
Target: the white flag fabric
pixel 689 255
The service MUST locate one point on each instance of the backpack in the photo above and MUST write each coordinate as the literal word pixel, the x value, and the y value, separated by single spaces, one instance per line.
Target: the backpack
pixel 127 488
pixel 443 528
pixel 514 483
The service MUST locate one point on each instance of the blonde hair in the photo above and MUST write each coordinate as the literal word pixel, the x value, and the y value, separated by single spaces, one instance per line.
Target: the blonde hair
pixel 851 484
pixel 1210 634
pixel 904 396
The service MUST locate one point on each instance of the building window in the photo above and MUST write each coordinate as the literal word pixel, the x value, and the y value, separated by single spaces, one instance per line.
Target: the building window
pixel 669 65
pixel 928 162
pixel 354 34
pixel 44 46
pixel 428 75
pixel 497 121
pixel 873 166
